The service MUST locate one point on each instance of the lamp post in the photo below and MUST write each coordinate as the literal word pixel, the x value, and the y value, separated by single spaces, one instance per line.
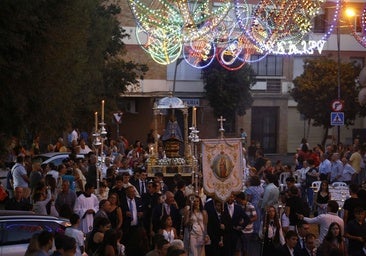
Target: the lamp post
pixel 349 12
pixel 338 74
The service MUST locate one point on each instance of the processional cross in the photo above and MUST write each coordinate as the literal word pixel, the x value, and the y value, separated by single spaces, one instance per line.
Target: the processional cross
pixel 221 130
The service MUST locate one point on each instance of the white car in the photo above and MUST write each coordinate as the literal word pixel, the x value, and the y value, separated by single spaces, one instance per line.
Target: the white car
pixel 17 228
pixel 54 157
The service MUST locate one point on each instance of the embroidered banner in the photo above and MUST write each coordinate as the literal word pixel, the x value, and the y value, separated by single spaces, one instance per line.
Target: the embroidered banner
pixel 222 167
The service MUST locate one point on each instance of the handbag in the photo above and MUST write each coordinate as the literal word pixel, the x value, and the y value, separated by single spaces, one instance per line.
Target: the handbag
pixel 207 240
pixel 3 194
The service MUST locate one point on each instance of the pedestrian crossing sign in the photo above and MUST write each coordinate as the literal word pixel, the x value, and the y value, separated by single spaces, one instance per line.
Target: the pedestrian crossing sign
pixel 336 118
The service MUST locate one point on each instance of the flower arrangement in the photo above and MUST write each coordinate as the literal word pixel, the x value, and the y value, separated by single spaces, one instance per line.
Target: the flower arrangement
pixel 172 161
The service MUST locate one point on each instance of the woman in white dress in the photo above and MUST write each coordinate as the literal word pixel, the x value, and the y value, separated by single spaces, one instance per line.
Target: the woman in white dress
pixel 196 219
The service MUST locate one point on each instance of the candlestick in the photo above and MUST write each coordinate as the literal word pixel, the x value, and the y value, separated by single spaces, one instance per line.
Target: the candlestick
pixel 102 111
pixel 194 117
pixel 96 121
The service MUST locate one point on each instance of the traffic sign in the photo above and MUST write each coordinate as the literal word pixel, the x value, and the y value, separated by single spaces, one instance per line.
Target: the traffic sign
pixel 336 118
pixel 337 105
pixel 118 117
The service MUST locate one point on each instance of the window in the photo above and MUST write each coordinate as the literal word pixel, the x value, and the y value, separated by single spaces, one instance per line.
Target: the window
pixel 269 66
pixel 355 22
pixel 273 86
pixel 184 71
pixel 319 24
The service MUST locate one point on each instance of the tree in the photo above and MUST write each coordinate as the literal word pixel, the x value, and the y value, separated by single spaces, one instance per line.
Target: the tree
pixel 317 87
pixel 58 60
pixel 228 91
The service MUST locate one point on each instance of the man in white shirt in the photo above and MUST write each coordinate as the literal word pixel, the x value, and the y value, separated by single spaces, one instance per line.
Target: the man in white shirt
pixel 347 172
pixel 271 192
pixel 324 220
pixel 73 136
pixel 75 233
pixel 84 149
pixel 20 177
pixel 324 167
pixel 336 168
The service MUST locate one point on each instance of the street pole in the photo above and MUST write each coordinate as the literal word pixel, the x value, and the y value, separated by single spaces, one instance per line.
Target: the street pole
pixel 339 71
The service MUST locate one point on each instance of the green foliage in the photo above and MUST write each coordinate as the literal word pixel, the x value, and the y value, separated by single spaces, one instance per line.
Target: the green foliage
pixel 228 91
pixel 317 87
pixel 58 60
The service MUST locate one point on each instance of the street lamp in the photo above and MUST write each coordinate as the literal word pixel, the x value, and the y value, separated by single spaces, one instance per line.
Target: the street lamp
pixel 349 12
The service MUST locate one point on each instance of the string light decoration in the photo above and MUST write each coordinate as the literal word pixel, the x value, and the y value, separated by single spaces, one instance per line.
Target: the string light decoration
pixel 164 45
pixel 164 26
pixel 200 53
pixel 201 30
pixel 280 26
pixel 194 18
pixel 233 47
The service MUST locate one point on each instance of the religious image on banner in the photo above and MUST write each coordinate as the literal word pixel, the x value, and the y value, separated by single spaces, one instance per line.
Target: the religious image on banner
pixel 222 167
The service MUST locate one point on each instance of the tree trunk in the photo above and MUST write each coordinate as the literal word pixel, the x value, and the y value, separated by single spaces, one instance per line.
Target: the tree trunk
pixel 326 130
pixel 308 133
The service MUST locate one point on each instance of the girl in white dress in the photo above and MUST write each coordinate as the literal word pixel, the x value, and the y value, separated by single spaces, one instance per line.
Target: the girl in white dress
pixel 168 231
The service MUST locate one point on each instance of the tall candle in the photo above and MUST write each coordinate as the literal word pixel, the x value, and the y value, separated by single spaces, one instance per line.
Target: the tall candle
pixel 102 111
pixel 194 116
pixel 96 121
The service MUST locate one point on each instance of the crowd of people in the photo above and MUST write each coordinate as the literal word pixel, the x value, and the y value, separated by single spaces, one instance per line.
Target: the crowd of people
pixel 115 209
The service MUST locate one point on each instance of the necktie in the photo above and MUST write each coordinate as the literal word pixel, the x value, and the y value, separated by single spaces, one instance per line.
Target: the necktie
pixel 143 187
pixel 231 210
pixel 131 208
pixel 167 209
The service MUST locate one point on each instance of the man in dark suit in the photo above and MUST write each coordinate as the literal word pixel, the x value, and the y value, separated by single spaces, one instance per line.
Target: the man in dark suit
pixel 141 182
pixel 215 229
pixel 234 220
pixel 159 177
pixel 91 175
pixel 118 188
pixel 179 196
pixel 149 201
pixel 302 228
pixel 288 249
pixel 310 248
pixel 132 212
pixel 167 206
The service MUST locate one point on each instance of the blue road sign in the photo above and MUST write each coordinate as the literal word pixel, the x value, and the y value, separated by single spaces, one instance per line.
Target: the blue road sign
pixel 336 118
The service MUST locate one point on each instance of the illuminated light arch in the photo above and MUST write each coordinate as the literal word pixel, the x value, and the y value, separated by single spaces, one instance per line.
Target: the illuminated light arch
pixel 281 26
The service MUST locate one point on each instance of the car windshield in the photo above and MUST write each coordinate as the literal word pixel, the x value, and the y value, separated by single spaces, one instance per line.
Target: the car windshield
pixel 16 232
